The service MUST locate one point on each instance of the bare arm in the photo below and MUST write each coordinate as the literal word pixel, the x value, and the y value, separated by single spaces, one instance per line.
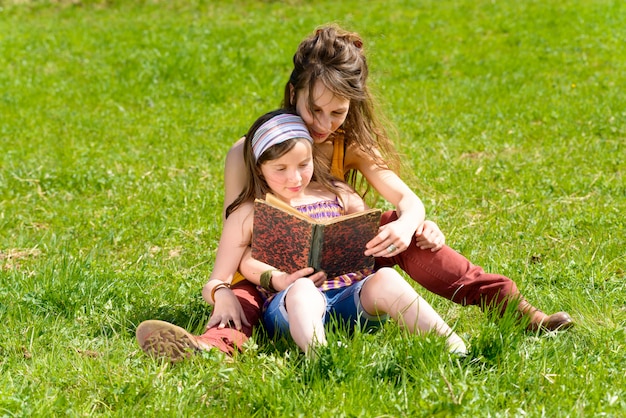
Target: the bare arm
pixel 233 243
pixel 234 174
pixel 236 235
pixel 352 201
pixel 227 307
pixel 252 269
pixel 410 209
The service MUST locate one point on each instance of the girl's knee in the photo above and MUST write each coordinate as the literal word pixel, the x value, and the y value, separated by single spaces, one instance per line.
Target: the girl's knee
pixel 303 285
pixel 303 291
pixel 386 276
pixel 387 283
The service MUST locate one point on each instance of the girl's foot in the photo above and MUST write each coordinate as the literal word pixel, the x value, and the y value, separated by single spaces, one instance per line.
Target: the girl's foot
pixel 160 339
pixel 559 321
pixel 539 321
pixel 456 346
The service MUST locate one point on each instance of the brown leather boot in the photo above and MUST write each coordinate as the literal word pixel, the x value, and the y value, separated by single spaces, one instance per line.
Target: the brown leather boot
pixel 540 321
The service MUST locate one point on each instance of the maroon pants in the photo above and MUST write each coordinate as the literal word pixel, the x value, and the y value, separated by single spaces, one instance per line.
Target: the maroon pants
pixel 228 340
pixel 449 274
pixel 444 272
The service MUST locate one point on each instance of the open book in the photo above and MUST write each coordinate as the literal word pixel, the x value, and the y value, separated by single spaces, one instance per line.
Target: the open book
pixel 289 240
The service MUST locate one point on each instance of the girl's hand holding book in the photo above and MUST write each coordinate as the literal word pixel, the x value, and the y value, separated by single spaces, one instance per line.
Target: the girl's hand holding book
pixel 281 280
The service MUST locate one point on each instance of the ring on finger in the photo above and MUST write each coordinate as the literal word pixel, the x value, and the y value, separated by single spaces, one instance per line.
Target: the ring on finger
pixel 392 248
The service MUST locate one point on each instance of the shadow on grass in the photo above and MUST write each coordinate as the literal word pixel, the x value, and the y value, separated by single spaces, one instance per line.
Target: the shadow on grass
pixel 192 316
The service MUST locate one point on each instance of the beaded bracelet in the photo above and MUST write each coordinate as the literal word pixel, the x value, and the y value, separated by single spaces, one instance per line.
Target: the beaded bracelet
pixel 218 287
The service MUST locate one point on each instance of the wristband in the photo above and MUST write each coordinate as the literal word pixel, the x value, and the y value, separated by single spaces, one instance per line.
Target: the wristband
pixel 218 287
pixel 266 280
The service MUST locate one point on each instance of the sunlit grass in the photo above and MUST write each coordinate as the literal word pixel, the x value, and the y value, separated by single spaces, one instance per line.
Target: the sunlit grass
pixel 115 118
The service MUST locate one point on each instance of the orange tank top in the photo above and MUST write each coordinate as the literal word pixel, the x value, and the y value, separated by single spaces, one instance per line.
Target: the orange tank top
pixel 336 167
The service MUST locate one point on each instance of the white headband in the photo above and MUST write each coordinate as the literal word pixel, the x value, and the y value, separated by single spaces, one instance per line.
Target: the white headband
pixel 277 130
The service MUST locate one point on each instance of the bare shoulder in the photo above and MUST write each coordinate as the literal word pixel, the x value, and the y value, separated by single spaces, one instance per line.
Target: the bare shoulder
pixel 235 153
pixel 243 212
pixel 352 200
pixel 240 220
pixel 234 177
pixel 357 158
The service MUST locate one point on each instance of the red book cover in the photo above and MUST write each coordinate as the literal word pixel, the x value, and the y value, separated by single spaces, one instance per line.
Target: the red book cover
pixel 288 240
pixel 279 238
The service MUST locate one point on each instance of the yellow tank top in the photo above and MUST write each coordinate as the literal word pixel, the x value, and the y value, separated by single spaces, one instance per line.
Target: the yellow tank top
pixel 238 277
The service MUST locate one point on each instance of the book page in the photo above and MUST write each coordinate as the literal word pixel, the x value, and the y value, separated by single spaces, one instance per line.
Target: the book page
pixel 276 202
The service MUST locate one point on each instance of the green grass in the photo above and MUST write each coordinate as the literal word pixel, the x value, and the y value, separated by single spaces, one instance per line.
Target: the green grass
pixel 115 117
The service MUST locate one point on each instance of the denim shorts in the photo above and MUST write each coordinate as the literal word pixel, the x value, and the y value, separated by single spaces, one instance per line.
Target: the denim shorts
pixel 343 304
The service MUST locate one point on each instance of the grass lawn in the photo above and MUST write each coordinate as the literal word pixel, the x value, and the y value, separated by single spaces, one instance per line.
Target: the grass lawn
pixel 115 118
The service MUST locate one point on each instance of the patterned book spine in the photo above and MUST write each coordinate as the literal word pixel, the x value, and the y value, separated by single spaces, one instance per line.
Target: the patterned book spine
pixel 317 245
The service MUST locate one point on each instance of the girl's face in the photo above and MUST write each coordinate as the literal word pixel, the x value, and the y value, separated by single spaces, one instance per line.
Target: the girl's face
pixel 290 174
pixel 328 113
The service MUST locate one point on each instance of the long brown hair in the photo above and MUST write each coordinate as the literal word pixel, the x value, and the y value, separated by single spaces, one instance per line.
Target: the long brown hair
pixel 336 58
pixel 256 187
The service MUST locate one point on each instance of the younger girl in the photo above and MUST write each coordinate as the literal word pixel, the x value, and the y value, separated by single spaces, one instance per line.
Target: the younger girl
pixel 278 153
